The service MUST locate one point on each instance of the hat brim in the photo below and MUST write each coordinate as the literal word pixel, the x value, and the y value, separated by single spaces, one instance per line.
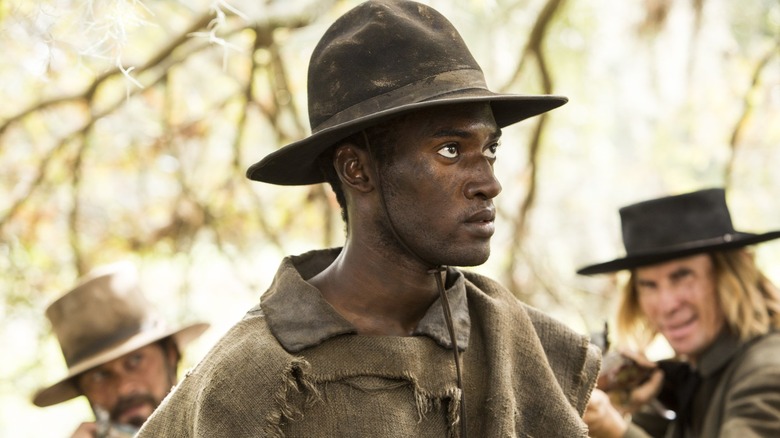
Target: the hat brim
pixel 731 241
pixel 65 389
pixel 296 163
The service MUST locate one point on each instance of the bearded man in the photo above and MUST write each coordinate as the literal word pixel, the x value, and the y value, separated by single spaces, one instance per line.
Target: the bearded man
pixel 120 353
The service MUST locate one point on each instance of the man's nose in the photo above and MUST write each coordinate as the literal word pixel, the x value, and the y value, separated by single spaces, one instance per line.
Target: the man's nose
pixel 668 300
pixel 126 384
pixel 483 182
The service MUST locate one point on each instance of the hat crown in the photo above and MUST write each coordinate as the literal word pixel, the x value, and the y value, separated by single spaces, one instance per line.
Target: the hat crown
pixel 675 221
pixel 105 309
pixel 378 47
pixel 678 226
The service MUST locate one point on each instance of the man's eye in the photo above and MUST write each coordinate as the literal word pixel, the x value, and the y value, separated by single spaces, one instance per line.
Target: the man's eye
pixel 491 150
pixel 134 360
pixel 682 274
pixel 449 151
pixel 96 377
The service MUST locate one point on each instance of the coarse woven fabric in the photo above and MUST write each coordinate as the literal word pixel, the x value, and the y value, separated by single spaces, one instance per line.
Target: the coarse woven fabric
pixel 525 375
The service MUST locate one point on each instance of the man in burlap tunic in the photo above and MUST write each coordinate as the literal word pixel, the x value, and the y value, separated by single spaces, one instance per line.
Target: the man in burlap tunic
pixel 384 337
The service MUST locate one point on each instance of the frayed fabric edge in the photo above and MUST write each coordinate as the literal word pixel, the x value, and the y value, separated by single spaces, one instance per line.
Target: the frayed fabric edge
pixel 293 379
pixel 429 402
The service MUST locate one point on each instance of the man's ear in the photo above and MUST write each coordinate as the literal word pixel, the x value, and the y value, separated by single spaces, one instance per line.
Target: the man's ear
pixel 171 352
pixel 352 167
pixel 172 358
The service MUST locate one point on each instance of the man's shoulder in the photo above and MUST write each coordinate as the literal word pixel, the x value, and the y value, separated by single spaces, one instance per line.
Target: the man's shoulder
pixel 235 388
pixel 573 359
pixel 490 287
pixel 761 354
pixel 245 342
pixel 769 340
pixel 500 295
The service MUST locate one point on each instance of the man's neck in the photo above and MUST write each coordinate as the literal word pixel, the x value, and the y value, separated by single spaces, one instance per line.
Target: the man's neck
pixel 379 294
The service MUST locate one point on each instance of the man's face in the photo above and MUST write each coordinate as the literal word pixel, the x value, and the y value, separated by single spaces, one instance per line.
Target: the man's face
pixel 680 299
pixel 439 183
pixel 132 386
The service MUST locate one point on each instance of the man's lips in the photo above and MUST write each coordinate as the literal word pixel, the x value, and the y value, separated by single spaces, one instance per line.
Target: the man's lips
pixel 678 329
pixel 132 411
pixel 482 223
pixel 129 410
pixel 484 215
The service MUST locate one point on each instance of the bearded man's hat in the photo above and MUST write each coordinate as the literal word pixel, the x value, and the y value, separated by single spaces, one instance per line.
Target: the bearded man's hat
pixel 103 318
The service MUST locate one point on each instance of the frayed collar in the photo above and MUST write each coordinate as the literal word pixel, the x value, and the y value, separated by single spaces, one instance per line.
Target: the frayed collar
pixel 299 317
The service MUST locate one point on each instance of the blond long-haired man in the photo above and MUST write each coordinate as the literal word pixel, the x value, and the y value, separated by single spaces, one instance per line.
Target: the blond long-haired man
pixel 694 281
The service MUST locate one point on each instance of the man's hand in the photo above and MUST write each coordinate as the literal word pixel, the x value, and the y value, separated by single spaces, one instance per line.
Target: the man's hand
pixel 627 392
pixel 643 394
pixel 629 402
pixel 630 380
pixel 91 430
pixel 603 420
pixel 86 430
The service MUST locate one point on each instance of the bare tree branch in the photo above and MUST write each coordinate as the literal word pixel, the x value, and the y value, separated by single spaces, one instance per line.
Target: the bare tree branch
pixel 282 19
pixel 156 59
pixel 533 47
pixel 747 111
pixel 73 216
pixel 42 168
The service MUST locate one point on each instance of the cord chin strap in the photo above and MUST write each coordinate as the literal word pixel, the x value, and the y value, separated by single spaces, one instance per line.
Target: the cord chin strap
pixel 436 271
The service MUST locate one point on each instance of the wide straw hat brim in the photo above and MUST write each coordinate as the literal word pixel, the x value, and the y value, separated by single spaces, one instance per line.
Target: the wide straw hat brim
pixel 65 389
pixel 296 163
pixel 726 242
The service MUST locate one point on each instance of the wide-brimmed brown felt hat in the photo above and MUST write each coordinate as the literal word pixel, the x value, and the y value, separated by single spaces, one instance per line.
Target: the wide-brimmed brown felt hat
pixel 103 318
pixel 678 226
pixel 379 60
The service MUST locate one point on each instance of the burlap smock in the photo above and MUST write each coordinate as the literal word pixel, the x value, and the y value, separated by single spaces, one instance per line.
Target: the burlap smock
pixel 293 367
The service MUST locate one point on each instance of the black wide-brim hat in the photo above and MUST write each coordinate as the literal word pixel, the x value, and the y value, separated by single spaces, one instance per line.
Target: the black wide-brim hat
pixel 678 226
pixel 381 59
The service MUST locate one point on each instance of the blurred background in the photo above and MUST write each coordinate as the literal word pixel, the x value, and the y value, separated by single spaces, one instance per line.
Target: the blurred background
pixel 126 127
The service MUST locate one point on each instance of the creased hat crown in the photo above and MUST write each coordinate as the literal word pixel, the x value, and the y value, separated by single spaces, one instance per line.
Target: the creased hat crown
pixel 101 311
pixel 378 48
